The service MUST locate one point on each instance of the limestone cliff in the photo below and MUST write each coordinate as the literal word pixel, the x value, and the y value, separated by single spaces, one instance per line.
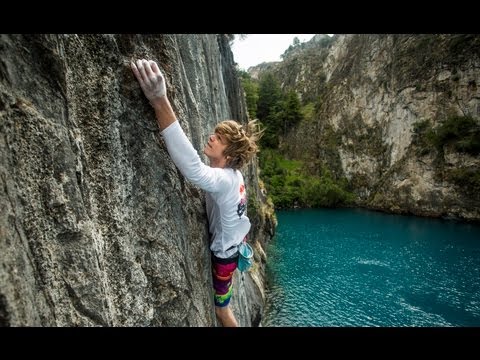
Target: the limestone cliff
pixel 98 227
pixel 371 92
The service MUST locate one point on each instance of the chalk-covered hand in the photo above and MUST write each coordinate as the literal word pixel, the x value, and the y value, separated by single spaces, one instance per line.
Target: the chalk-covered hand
pixel 150 78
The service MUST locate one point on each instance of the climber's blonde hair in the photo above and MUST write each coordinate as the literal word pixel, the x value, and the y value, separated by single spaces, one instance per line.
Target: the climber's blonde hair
pixel 241 141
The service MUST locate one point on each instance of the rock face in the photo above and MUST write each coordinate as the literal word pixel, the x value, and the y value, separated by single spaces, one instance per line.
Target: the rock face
pixel 370 92
pixel 98 227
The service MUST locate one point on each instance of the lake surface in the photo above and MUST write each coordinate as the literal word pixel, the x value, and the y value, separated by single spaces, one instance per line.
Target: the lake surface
pixel 353 267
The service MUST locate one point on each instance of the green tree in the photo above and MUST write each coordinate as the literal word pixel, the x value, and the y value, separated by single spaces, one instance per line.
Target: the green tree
pixel 291 113
pixel 250 86
pixel 268 109
pixel 269 96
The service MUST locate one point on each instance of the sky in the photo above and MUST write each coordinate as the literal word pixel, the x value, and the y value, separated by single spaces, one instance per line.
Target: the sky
pixel 258 48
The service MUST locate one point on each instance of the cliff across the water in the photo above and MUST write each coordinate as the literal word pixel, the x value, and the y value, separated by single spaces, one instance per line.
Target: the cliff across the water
pixel 98 227
pixel 398 116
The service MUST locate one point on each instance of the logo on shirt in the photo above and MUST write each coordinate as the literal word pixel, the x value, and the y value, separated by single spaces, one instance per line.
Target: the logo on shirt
pixel 243 202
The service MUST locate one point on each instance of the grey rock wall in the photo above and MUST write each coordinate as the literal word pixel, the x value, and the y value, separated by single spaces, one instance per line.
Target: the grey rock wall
pixel 381 87
pixel 97 226
pixel 369 92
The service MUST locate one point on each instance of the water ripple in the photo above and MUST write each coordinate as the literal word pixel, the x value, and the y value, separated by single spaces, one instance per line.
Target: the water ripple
pixel 357 268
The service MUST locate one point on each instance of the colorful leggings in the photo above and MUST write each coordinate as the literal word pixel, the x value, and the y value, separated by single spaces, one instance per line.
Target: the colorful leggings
pixel 222 271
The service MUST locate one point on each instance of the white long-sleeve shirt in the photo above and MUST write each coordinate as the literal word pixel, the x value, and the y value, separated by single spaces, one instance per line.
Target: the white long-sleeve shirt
pixel 226 197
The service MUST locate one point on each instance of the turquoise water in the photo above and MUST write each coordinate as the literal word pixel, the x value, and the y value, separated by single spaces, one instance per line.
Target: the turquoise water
pixel 352 267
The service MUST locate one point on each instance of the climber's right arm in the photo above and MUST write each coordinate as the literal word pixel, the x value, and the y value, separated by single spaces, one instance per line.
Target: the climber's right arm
pixel 179 147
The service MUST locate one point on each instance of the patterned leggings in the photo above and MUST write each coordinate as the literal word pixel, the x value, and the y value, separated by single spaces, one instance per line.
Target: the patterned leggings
pixel 222 271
